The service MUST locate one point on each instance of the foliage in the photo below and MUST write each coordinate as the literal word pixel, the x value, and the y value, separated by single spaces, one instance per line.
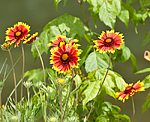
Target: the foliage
pixel 75 89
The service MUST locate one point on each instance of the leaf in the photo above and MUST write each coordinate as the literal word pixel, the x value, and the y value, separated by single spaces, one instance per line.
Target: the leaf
pixel 57 2
pixel 133 61
pixel 125 54
pixel 102 118
pixel 96 60
pixel 124 17
pixel 91 92
pixel 146 40
pixel 121 118
pixel 66 24
pixel 146 104
pixel 146 82
pixel 108 11
pixel 145 3
pixel 143 71
pixel 84 54
pixel 35 75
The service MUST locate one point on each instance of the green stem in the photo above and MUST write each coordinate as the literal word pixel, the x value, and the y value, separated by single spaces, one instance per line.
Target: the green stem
pixel 42 62
pixel 14 75
pixel 66 105
pixel 133 109
pixel 60 101
pixel 12 93
pixel 23 64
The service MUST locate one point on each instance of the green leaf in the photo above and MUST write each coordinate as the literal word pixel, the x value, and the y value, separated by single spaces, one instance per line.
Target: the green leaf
pixel 124 17
pixel 146 40
pixel 145 3
pixel 125 54
pixel 133 61
pixel 96 60
pixel 113 80
pixel 146 104
pixel 35 75
pixel 66 24
pixel 91 92
pixel 146 82
pixel 84 54
pixel 57 2
pixel 121 118
pixel 143 71
pixel 102 118
pixel 108 11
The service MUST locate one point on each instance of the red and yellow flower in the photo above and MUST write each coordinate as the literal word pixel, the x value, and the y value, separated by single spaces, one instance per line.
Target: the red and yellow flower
pixel 109 41
pixel 56 42
pixel 130 90
pixel 64 58
pixel 31 38
pixel 19 32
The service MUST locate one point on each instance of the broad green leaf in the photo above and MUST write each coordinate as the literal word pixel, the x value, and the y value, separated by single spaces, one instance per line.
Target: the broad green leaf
pixel 66 24
pixel 91 92
pixel 124 17
pixel 146 82
pixel 143 71
pixel 106 10
pixel 96 60
pixel 146 104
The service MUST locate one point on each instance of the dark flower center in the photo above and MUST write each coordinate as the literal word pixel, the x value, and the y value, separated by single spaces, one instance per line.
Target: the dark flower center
pixel 108 42
pixel 18 33
pixel 64 57
pixel 128 90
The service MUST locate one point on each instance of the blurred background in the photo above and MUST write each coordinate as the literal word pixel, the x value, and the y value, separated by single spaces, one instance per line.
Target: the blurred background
pixel 37 13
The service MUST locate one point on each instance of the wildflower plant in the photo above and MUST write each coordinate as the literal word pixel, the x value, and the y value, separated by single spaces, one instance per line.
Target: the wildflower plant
pixel 73 88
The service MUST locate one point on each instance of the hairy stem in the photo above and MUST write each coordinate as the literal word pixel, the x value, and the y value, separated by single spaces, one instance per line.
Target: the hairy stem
pixel 42 62
pixel 23 64
pixel 14 75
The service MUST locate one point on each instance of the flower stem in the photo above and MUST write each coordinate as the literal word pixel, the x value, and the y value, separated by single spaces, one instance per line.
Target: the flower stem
pixel 23 63
pixel 133 109
pixel 42 62
pixel 60 101
pixel 14 75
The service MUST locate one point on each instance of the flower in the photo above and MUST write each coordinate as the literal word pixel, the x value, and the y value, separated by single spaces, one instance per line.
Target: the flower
pixel 31 38
pixel 139 86
pixel 130 90
pixel 56 42
pixel 6 45
pixel 64 58
pixel 109 41
pixel 61 81
pixel 19 32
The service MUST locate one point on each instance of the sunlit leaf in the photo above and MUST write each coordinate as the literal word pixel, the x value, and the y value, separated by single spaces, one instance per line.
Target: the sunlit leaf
pixel 146 104
pixel 91 92
pixel 124 17
pixel 146 82
pixel 143 71
pixel 96 60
